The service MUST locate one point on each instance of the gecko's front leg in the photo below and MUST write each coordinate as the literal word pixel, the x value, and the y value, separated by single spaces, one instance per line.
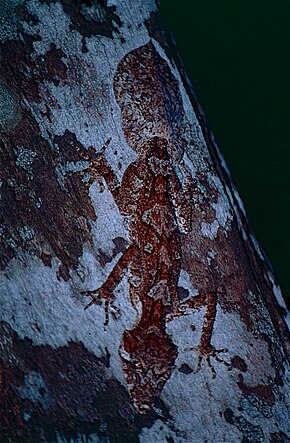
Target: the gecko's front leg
pixel 106 292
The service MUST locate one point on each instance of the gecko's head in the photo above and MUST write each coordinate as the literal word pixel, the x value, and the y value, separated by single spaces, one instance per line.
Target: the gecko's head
pixel 157 147
pixel 148 357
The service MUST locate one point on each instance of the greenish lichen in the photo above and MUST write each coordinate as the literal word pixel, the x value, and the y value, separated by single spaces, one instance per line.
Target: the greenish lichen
pixel 71 167
pixel 34 389
pixel 74 166
pixel 9 19
pixel 256 406
pixel 11 243
pixel 9 108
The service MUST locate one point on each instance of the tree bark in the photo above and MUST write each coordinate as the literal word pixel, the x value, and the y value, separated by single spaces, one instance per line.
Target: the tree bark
pixel 137 305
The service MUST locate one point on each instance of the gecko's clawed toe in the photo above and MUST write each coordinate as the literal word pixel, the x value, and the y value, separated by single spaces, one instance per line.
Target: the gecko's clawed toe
pixel 116 312
pixel 207 353
pixel 95 297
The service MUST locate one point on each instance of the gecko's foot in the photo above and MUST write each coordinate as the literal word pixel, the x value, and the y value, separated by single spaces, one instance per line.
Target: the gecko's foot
pixel 207 352
pixel 96 299
pixel 99 296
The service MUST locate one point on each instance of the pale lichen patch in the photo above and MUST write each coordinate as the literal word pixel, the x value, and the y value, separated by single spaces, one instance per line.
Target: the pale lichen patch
pixel 26 233
pixel 34 389
pixel 256 406
pixel 24 159
pixel 10 113
pixel 9 19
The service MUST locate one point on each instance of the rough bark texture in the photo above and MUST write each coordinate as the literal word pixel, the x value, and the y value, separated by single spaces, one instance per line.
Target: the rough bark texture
pixel 111 179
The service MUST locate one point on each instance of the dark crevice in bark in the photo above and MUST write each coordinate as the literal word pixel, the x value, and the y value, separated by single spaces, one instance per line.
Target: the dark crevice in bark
pixel 99 20
pixel 68 391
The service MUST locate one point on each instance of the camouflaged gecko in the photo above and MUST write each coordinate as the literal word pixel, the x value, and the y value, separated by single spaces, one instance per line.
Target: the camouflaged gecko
pixel 152 199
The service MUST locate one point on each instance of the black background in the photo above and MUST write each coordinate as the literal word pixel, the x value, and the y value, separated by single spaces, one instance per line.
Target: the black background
pixel 237 55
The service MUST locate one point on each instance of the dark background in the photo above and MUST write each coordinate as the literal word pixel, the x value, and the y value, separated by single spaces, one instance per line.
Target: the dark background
pixel 236 53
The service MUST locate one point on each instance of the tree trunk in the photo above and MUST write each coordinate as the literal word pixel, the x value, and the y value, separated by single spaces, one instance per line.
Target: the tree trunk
pixel 115 198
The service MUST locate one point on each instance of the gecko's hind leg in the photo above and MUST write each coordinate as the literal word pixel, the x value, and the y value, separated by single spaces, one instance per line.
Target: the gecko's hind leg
pixel 205 349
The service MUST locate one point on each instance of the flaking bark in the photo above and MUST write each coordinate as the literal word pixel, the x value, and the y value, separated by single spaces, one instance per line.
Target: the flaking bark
pixel 114 197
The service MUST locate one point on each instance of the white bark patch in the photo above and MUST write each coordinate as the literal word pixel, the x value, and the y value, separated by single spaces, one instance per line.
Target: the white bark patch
pixel 222 210
pixel 85 103
pixel 185 283
pixel 51 312
pixel 133 13
pixel 279 297
pixel 192 398
pixel 53 26
pixel 109 223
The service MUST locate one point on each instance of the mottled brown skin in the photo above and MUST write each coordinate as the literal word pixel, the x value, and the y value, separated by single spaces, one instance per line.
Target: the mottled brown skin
pixel 151 197
pixel 159 211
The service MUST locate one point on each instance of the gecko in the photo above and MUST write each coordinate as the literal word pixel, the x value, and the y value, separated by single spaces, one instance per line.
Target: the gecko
pixel 150 196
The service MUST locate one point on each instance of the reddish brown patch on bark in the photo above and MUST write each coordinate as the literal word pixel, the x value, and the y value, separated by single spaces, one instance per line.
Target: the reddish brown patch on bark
pixel 263 391
pixel 238 363
pixel 26 73
pixel 46 259
pixel 63 273
pixel 33 197
pixel 54 68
